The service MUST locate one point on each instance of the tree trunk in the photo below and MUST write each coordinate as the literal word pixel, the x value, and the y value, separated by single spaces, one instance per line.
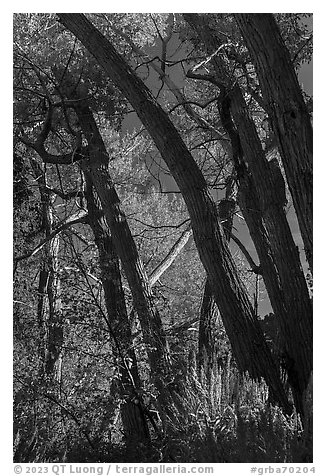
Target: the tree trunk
pixel 210 318
pixel 288 113
pixel 249 346
pixel 209 322
pixel 296 321
pixel 262 182
pixel 96 167
pixel 133 420
pixel 49 303
pixel 249 204
pixel 55 320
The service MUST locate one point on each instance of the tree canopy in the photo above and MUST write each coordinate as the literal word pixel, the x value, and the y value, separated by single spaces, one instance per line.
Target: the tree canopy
pixel 162 165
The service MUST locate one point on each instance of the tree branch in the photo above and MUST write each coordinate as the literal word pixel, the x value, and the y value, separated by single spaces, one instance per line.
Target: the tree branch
pixel 170 257
pixel 76 218
pixel 205 77
pixel 66 195
pixel 254 267
pixel 74 418
pixel 182 100
pixel 79 153
pixel 194 103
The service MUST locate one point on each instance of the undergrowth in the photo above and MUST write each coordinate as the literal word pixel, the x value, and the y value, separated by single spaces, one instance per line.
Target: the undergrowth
pixel 228 420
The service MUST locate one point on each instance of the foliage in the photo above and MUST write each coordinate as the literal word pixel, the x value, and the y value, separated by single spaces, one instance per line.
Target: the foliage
pixel 75 414
pixel 237 425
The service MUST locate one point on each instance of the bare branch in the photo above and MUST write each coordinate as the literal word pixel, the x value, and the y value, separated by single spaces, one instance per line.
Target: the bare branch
pixel 159 227
pixel 205 77
pixel 69 158
pixel 194 103
pixel 73 220
pixel 73 416
pixel 170 257
pixel 66 195
pixel 182 100
pixel 254 267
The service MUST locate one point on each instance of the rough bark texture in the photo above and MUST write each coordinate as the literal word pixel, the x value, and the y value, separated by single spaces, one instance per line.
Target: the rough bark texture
pixel 210 317
pixel 249 204
pixel 287 111
pixel 96 166
pixel 296 321
pixel 208 349
pixel 133 420
pixel 247 340
pixel 262 189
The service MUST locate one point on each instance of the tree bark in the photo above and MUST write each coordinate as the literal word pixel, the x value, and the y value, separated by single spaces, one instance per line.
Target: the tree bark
pixel 249 346
pixel 209 321
pixel 262 192
pixel 287 111
pixel 296 321
pixel 249 204
pixel 128 387
pixel 210 318
pixel 49 303
pixel 96 166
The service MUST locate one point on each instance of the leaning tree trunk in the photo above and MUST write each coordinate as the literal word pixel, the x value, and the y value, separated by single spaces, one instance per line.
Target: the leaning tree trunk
pixel 210 319
pixel 170 256
pixel 287 110
pixel 133 419
pixel 248 343
pixel 208 343
pixel 248 202
pixel 293 306
pixel 96 166
pixel 289 293
pixel 296 322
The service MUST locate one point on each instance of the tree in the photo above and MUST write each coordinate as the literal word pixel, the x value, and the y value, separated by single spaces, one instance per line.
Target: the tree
pixel 129 385
pixel 287 111
pixel 267 183
pixel 159 316
pixel 227 288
